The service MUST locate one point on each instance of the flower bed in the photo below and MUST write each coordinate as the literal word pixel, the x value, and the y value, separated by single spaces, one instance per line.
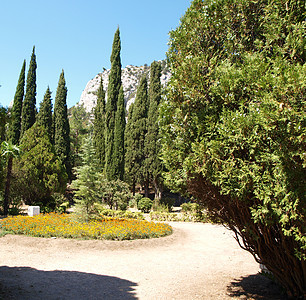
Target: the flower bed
pixel 63 225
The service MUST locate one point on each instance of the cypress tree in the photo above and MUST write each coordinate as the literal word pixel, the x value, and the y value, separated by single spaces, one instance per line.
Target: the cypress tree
pixel 119 137
pixel 15 127
pixel 136 139
pixel 129 142
pixel 61 125
pixel 29 103
pixel 44 116
pixel 153 164
pixel 111 106
pixel 99 127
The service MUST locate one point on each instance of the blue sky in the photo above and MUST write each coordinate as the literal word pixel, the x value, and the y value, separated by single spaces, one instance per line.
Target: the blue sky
pixel 77 36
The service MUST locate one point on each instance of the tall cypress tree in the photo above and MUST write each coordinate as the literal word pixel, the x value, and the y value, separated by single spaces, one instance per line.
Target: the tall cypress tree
pixel 15 127
pixel 99 127
pixel 129 142
pixel 119 137
pixel 136 138
pixel 61 125
pixel 153 163
pixel 29 103
pixel 44 116
pixel 114 86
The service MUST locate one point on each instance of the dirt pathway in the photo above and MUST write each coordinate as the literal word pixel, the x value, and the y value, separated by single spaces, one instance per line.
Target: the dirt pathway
pixel 198 261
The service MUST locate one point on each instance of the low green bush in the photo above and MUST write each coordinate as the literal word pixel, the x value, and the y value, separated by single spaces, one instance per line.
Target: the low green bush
pixel 145 205
pixel 168 202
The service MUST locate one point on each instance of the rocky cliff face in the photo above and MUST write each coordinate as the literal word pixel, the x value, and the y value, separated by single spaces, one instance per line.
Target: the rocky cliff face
pixel 130 78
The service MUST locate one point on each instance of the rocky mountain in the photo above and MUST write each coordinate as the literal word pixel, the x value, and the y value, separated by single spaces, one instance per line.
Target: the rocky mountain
pixel 130 78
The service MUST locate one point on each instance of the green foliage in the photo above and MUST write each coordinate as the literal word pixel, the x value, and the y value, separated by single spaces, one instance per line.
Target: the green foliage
pixel 145 204
pixel 119 151
pixel 29 103
pixel 61 125
pixel 80 126
pixel 233 125
pixel 115 194
pixel 114 86
pixel 38 173
pixel 99 127
pixel 15 126
pixel 122 214
pixel 44 116
pixel 87 182
pixel 135 135
pixel 152 148
pixel 167 202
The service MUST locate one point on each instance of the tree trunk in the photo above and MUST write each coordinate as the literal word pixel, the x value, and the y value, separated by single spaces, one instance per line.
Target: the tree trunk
pixel 7 185
pixel 146 188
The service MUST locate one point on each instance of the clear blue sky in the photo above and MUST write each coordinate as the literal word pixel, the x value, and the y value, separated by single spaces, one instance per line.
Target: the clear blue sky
pixel 77 36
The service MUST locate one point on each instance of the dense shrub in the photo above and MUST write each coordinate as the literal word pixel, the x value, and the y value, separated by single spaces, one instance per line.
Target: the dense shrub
pixel 145 204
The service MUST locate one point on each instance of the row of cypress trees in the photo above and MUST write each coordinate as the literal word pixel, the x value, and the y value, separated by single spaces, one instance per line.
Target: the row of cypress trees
pixel 24 115
pixel 129 151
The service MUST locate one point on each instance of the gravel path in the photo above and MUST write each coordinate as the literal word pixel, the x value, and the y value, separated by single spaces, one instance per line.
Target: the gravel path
pixel 198 261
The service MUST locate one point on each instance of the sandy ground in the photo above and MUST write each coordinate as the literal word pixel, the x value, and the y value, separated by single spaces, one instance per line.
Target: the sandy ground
pixel 198 261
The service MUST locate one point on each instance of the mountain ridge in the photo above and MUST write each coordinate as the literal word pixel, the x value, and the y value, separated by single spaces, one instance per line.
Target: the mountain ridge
pixel 130 78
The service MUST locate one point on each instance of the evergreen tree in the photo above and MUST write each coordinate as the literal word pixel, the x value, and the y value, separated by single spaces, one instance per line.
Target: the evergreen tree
pixel 80 126
pixel 99 127
pixel 136 138
pixel 61 125
pixel 39 172
pixel 111 106
pixel 29 103
pixel 119 137
pixel 153 165
pixel 129 142
pixel 86 183
pixel 44 116
pixel 15 127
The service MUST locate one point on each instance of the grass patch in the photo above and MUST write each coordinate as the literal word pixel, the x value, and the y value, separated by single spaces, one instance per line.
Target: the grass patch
pixel 63 225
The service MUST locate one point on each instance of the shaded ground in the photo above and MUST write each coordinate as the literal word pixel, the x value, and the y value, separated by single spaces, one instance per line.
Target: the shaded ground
pixel 198 261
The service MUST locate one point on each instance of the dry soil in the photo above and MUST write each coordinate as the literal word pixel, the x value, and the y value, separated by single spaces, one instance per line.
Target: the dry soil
pixel 198 261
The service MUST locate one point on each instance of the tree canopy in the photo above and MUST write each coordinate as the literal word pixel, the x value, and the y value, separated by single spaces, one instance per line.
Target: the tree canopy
pixel 234 124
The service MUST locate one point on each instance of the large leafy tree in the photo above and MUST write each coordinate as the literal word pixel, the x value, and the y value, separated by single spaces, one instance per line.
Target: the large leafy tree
pixel 29 103
pixel 234 125
pixel 153 164
pixel 136 134
pixel 61 125
pixel 114 86
pixel 119 151
pixel 99 127
pixel 15 126
pixel 44 116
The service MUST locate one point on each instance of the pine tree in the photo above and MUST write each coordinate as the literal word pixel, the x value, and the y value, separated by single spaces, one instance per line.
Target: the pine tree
pixel 111 106
pixel 136 137
pixel 119 137
pixel 153 164
pixel 99 127
pixel 15 127
pixel 29 103
pixel 44 116
pixel 61 125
